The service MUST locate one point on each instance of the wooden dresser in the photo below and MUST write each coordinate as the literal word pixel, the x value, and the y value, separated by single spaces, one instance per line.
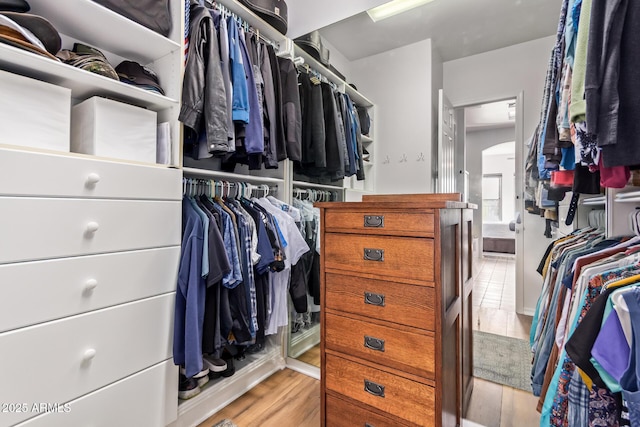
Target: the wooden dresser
pixel 396 326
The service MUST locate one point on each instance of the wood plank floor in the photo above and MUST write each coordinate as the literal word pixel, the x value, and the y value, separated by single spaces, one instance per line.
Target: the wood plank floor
pixel 311 357
pixel 291 399
pixel 286 399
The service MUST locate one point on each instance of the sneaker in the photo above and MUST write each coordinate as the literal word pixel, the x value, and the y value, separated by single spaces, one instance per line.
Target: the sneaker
pixel 214 364
pixel 202 377
pixel 255 348
pixel 230 368
pixel 188 388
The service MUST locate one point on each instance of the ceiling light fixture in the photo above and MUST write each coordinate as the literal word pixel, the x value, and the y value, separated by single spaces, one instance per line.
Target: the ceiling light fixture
pixel 393 8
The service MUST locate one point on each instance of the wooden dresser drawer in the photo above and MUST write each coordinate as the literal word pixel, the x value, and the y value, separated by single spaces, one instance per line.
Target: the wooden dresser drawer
pixel 134 401
pixel 63 287
pixel 44 174
pixel 399 349
pixel 36 228
pixel 62 360
pixel 340 413
pixel 382 222
pixel 409 400
pixel 384 300
pixel 404 257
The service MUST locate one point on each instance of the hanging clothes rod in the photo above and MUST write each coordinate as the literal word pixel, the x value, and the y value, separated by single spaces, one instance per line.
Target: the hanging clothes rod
pixel 226 13
pixel 209 187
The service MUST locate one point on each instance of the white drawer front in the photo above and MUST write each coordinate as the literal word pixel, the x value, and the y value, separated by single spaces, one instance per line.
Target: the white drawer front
pixel 35 228
pixel 47 290
pixel 137 400
pixel 25 173
pixel 59 361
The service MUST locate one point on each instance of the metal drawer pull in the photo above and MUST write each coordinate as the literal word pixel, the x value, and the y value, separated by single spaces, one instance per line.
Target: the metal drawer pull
pixel 368 425
pixel 374 254
pixel 374 221
pixel 373 388
pixel 374 343
pixel 374 299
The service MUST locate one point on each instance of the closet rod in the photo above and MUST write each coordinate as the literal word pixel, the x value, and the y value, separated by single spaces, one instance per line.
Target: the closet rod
pixel 225 176
pixel 304 185
pixel 266 31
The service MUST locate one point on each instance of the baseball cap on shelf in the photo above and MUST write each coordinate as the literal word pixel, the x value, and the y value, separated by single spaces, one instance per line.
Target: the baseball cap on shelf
pixel 14 6
pixel 88 58
pixel 138 75
pixel 39 26
pixel 34 34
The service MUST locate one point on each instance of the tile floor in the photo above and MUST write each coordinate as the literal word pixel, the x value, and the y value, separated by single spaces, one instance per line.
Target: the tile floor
pixel 495 282
pixel 495 405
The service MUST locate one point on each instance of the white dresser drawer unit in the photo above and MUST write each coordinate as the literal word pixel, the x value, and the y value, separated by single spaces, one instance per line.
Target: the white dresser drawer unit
pixel 25 173
pixel 62 360
pixel 46 290
pixel 146 399
pixel 35 228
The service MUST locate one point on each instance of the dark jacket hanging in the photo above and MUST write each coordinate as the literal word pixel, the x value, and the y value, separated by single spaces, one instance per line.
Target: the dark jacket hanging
pixel 203 93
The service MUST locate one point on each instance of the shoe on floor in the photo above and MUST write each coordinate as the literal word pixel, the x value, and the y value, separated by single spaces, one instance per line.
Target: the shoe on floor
pixel 202 377
pixel 188 388
pixel 214 364
pixel 230 368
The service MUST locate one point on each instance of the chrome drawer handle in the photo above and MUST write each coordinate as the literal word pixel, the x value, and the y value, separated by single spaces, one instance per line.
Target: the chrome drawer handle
pixel 374 299
pixel 374 343
pixel 374 221
pixel 374 254
pixel 373 388
pixel 368 425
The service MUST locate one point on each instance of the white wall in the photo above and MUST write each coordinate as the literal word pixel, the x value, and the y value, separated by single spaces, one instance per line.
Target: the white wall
pixel 503 164
pixel 307 15
pixel 476 143
pixel 501 74
pixel 338 60
pixel 399 83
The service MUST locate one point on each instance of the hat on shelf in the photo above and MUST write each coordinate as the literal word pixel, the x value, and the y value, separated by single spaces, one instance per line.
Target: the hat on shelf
pixel 88 58
pixel 274 12
pixel 138 75
pixel 29 32
pixel 14 6
pixel 312 44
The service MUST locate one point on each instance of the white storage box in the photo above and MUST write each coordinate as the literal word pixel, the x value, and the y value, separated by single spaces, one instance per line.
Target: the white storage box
pixel 107 128
pixel 34 113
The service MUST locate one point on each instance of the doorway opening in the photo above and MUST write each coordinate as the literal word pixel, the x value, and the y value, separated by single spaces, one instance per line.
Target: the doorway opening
pixel 490 131
pixel 491 153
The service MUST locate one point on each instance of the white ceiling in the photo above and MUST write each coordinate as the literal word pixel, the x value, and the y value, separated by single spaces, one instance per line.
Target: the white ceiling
pixel 458 28
pixel 489 116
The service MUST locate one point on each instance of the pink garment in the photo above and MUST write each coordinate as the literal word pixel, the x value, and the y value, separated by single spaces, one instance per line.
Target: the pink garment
pixel 614 177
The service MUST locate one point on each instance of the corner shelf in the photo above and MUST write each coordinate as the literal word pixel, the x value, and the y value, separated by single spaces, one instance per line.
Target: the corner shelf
pixel 355 96
pixel 99 25
pixel 83 84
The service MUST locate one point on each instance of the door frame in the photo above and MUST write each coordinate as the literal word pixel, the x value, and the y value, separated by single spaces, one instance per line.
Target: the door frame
pixel 519 183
